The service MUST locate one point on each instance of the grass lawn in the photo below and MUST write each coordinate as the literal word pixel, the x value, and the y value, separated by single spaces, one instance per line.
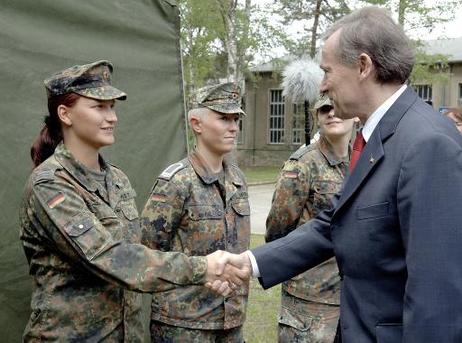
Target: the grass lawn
pixel 263 308
pixel 261 174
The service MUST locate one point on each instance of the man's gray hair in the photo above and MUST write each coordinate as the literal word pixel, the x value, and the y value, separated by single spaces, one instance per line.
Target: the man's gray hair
pixel 372 31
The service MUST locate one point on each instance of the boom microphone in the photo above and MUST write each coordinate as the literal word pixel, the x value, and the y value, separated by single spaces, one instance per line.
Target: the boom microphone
pixel 301 81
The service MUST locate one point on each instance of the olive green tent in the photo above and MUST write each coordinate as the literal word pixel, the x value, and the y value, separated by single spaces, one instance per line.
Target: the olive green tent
pixel 37 38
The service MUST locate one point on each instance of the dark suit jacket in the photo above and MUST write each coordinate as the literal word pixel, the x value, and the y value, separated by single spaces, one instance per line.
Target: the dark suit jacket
pixel 396 231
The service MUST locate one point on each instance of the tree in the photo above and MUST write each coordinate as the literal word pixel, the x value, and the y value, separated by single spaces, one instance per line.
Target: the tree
pixel 416 16
pixel 198 41
pixel 315 16
pixel 220 38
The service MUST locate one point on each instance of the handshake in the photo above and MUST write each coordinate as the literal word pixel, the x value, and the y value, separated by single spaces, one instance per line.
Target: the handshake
pixel 226 272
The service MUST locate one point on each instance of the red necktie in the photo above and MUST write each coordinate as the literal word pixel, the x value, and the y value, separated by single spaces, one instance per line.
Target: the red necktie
pixel 358 147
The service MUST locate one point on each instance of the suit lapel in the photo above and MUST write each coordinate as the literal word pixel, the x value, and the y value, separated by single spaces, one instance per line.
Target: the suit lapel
pixel 374 152
pixel 370 157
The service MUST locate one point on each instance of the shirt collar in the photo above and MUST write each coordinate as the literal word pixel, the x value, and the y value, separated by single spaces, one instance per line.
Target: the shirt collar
pixel 374 119
pixel 326 149
pixel 77 169
pixel 203 171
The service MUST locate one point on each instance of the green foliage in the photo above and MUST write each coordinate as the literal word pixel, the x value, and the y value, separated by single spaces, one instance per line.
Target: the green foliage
pixel 200 29
pixel 429 68
pixel 204 34
pixel 417 15
pixel 315 15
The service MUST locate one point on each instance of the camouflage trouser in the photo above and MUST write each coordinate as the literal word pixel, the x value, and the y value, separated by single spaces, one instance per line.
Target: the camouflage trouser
pixel 302 321
pixel 164 333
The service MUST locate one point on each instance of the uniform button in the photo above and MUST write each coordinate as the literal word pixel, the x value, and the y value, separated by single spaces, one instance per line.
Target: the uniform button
pixel 81 226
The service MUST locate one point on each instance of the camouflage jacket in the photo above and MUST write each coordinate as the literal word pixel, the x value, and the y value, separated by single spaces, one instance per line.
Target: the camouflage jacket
pixel 189 211
pixel 82 252
pixel 306 184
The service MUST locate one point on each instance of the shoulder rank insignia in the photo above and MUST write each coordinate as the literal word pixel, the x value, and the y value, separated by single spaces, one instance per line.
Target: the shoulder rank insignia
pixel 171 170
pixel 43 176
pixel 300 152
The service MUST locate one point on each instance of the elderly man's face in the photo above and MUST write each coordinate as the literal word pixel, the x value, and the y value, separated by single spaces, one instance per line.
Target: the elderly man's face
pixel 341 82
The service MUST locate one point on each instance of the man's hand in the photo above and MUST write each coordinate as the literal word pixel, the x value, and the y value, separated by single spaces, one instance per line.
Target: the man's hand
pixel 226 272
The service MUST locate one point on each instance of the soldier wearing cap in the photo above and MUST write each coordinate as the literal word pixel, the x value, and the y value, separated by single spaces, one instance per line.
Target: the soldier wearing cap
pixel 197 206
pixel 307 182
pixel 79 223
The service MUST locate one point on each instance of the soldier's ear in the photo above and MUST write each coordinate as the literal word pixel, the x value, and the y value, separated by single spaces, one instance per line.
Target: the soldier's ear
pixel 196 124
pixel 64 114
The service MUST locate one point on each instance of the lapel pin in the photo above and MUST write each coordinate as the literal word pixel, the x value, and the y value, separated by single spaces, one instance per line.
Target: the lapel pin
pixel 372 160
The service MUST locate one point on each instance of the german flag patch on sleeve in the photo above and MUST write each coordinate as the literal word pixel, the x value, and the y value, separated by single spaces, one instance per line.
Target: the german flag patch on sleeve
pixel 56 200
pixel 158 197
pixel 290 174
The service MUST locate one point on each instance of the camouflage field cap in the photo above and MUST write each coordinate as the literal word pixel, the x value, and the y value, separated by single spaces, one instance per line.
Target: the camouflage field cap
pixel 323 101
pixel 222 98
pixel 90 80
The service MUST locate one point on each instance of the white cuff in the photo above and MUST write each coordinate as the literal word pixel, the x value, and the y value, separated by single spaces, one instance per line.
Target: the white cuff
pixel 253 262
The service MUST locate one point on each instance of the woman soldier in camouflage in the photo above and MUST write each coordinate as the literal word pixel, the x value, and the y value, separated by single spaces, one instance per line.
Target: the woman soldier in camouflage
pixel 79 224
pixel 307 182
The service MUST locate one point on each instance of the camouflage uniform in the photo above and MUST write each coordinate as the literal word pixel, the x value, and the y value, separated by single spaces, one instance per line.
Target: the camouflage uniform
pixel 197 212
pixel 80 230
pixel 310 301
pixel 192 211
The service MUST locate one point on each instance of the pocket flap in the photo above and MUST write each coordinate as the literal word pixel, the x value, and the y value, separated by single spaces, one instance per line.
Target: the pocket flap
pixel 79 226
pixel 300 322
pixel 242 207
pixel 91 238
pixel 326 186
pixel 201 212
pixel 373 211
pixel 130 212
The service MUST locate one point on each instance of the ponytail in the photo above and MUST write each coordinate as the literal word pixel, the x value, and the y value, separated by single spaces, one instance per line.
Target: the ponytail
pixel 50 135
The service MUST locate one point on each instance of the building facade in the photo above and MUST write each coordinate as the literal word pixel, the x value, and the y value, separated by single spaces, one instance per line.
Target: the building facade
pixel 274 127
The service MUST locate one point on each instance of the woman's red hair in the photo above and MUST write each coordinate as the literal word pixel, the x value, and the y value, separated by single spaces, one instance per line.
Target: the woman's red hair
pixel 50 135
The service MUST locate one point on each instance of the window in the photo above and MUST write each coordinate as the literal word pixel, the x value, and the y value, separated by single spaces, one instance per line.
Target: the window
pixel 460 94
pixel 276 117
pixel 298 123
pixel 424 92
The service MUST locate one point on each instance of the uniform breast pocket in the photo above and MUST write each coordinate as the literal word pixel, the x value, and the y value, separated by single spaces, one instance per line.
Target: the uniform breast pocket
pixel 323 192
pixel 103 211
pixel 241 207
pixel 239 234
pixel 130 212
pixel 205 212
pixel 204 230
pixel 127 205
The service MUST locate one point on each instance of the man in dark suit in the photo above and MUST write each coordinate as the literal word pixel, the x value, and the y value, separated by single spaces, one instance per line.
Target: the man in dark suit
pixel 396 227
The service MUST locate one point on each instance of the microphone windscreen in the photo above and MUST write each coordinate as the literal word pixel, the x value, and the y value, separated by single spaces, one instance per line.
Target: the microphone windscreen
pixel 301 81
